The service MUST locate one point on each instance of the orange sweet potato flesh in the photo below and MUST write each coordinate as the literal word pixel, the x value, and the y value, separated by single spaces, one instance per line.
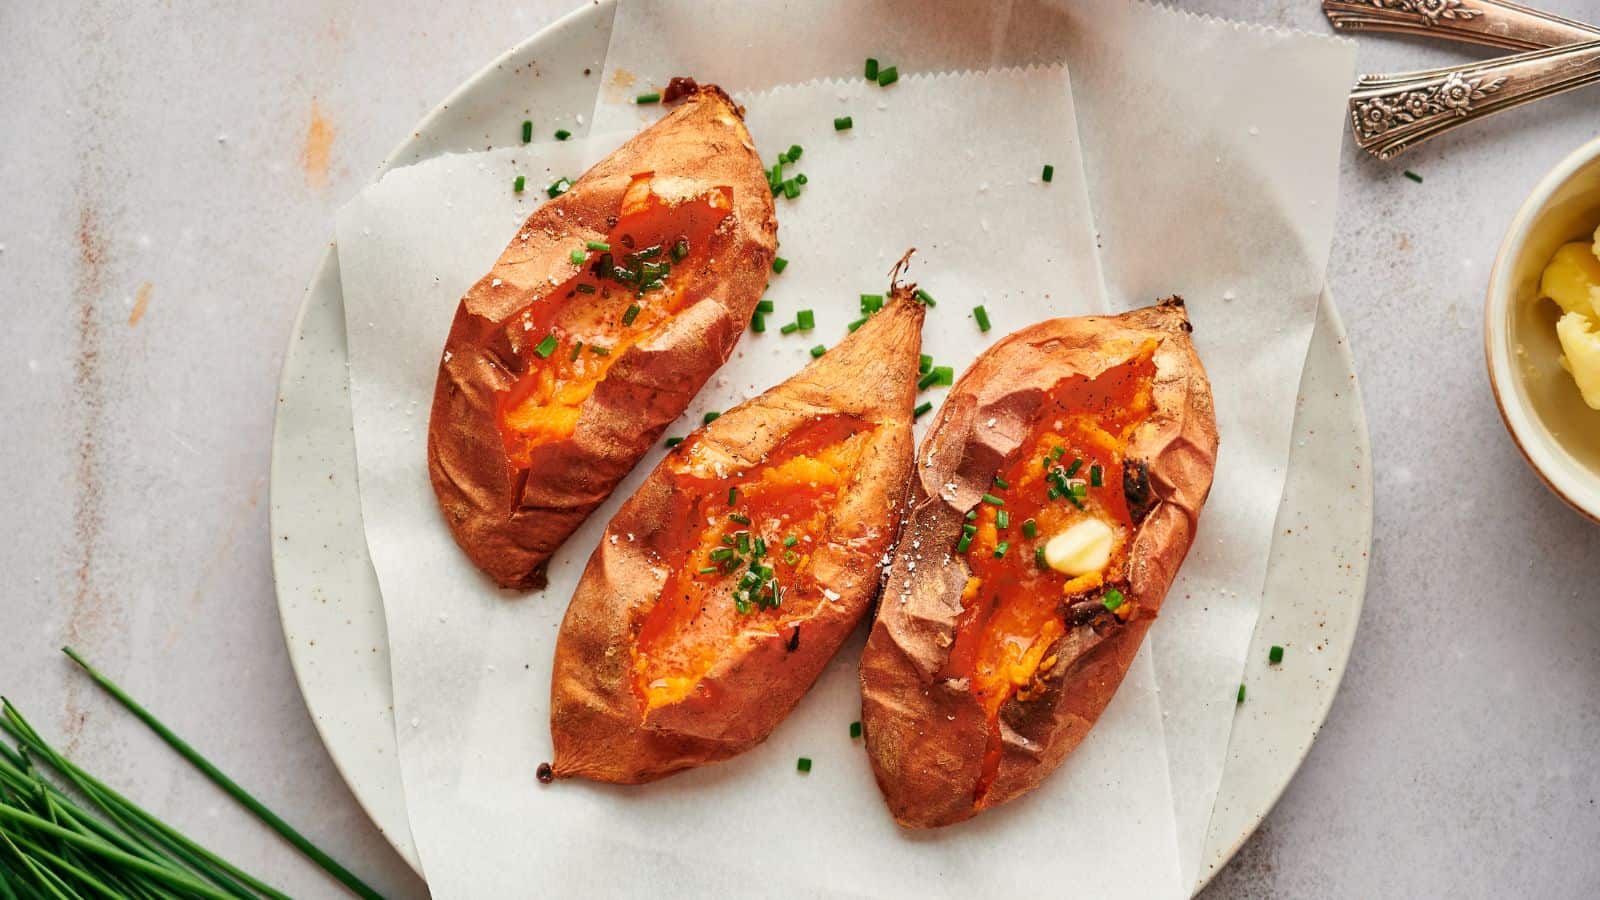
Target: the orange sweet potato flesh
pixel 662 665
pixel 557 376
pixel 983 672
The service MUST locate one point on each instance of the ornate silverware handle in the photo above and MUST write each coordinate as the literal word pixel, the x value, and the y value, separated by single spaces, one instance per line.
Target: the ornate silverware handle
pixel 1391 113
pixel 1498 23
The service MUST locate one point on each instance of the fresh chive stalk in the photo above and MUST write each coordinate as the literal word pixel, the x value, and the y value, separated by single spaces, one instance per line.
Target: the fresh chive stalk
pixel 232 788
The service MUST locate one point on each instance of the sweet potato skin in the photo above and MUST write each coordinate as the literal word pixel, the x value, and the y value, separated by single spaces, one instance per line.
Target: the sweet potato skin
pixel 926 734
pixel 600 727
pixel 510 520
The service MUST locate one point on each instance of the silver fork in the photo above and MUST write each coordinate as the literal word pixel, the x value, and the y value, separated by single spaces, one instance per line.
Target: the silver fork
pixel 1391 113
pixel 1497 23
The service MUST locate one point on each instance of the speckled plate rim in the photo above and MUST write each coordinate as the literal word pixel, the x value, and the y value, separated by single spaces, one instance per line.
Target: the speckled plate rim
pixel 331 610
pixel 1530 438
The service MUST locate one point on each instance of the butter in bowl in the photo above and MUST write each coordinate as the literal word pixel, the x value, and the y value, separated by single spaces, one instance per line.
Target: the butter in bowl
pixel 1572 281
pixel 1542 329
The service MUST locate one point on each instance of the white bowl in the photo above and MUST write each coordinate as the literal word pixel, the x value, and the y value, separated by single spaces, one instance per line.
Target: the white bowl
pixel 1557 434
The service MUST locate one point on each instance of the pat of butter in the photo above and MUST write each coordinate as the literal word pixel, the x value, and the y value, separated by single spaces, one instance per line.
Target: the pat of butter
pixel 1572 279
pixel 1083 548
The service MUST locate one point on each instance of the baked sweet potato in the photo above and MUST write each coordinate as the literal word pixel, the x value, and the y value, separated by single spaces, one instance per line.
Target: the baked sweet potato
pixel 1052 502
pixel 723 587
pixel 595 328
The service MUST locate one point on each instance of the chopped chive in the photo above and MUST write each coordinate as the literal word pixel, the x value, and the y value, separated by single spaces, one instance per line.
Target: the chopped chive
pixel 925 297
pixel 794 152
pixel 871 303
pixel 680 249
pixel 761 547
pixel 710 417
pixel 1113 599
pixel 647 99
pixel 971 514
pixel 674 441
pixel 577 257
pixel 922 409
pixel 1275 655
pixel 765 306
pixel 982 315
pixel 1413 176
pixel 1057 452
pixel 631 313
pixel 803 764
pixel 1001 483
pixel 872 69
pixel 963 544
pixel 527 131
pixel 790 328
pixel 586 288
pixel 855 729
pixel 927 381
pixel 1048 173
pixel 1002 519
pixel 926 364
pixel 790 541
pixel 742 520
pixel 1000 549
pixel 993 500
pixel 969 529
pixel 843 123
pixel 818 350
pixel 888 76
pixel 791 189
pixel 806 319
pixel 520 183
pixel 562 134
pixel 779 264
pixel 558 187
pixel 546 346
pixel 742 541
pixel 946 374
pixel 1038 557
pixel 758 322
pixel 856 324
pixel 791 557
pixel 722 553
pixel 801 178
pixel 1073 469
pixel 1054 493
pixel 1029 528
pixel 598 246
pixel 1241 693
pixel 1096 477
pixel 709 570
pixel 733 496
pixel 576 349
pixel 599 351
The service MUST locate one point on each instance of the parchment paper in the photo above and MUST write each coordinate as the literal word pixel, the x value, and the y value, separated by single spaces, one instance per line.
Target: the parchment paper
pixel 950 166
pixel 1212 159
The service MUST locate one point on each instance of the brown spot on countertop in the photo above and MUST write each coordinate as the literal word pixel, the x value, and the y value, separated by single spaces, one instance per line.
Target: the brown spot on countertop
pixel 141 302
pixel 317 152
pixel 84 606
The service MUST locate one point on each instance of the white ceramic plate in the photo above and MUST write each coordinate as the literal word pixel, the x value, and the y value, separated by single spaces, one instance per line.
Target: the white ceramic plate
pixel 332 612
